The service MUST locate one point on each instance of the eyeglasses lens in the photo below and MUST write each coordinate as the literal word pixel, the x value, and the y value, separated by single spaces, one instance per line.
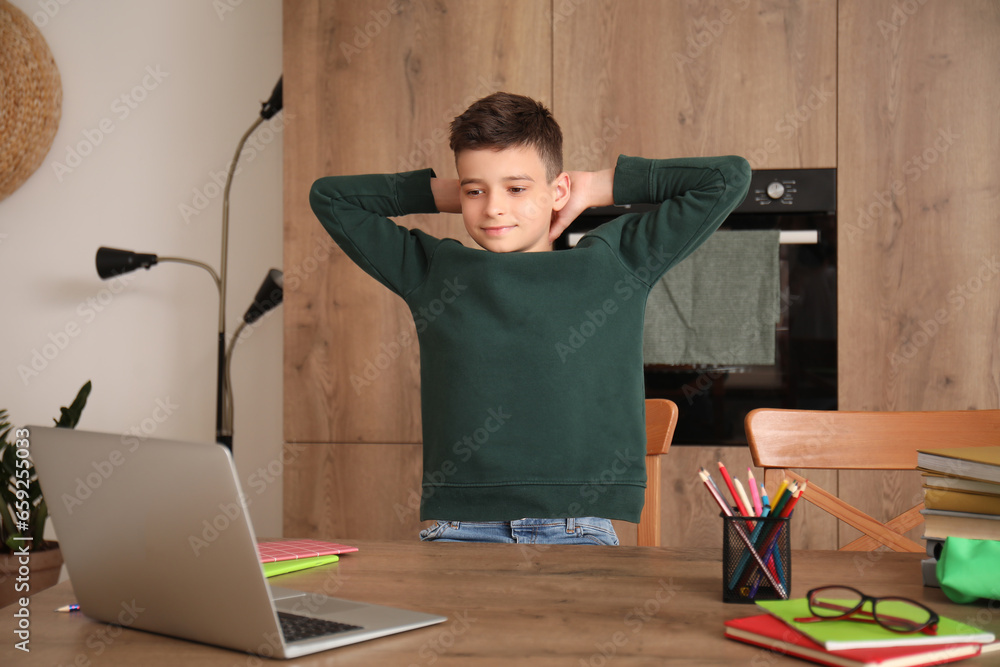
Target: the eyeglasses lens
pixel 834 601
pixel 900 615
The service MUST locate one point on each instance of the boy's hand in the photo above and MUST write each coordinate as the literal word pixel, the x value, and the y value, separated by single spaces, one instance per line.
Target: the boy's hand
pixel 587 188
pixel 447 195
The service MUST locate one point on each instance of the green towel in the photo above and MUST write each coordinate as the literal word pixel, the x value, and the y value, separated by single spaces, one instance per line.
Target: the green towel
pixel 969 569
pixel 719 306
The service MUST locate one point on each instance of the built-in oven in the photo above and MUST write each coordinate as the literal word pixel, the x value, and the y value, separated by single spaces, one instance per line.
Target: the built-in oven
pixel 713 399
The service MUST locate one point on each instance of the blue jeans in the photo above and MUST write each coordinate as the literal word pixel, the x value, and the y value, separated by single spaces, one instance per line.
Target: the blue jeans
pixel 582 530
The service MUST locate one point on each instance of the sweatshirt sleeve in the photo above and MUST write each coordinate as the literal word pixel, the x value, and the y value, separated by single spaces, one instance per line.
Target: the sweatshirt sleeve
pixel 355 210
pixel 695 195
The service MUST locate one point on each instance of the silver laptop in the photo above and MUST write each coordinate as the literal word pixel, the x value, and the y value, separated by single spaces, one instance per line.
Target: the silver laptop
pixel 155 536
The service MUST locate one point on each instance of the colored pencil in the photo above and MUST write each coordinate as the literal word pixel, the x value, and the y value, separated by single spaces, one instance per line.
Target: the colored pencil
pixel 743 536
pixel 743 498
pixel 777 494
pixel 772 540
pixel 732 489
pixel 752 483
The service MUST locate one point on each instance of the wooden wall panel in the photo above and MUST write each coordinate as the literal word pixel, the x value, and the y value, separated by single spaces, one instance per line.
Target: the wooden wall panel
pixel 919 182
pixel 919 186
pixel 371 87
pixel 346 492
pixel 690 78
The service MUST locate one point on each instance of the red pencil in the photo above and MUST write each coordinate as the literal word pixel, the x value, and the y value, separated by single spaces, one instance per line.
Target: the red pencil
pixel 732 489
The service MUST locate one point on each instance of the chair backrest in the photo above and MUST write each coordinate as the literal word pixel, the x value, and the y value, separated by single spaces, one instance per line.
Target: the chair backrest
pixel 814 439
pixel 661 419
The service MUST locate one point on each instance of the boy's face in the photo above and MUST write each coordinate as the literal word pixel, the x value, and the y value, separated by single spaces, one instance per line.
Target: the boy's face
pixel 507 203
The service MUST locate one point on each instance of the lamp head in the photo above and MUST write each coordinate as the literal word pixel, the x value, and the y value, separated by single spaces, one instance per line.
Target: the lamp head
pixel 112 262
pixel 268 296
pixel 274 104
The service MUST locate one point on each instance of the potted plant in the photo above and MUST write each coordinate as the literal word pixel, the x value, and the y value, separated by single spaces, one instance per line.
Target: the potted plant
pixel 15 531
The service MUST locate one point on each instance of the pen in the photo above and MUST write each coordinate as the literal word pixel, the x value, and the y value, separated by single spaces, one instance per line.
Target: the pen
pixel 729 482
pixel 752 483
pixel 743 536
pixel 69 607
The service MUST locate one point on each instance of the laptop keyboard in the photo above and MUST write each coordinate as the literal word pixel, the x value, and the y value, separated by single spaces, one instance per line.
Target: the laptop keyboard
pixel 297 628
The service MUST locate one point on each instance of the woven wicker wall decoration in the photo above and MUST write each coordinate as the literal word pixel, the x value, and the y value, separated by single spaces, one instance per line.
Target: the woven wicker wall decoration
pixel 30 98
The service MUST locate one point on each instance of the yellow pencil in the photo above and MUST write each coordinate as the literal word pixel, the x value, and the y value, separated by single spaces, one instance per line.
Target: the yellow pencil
pixel 777 494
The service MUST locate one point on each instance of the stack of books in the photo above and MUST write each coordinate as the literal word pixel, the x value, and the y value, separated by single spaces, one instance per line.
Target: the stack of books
pixel 961 498
pixel 846 643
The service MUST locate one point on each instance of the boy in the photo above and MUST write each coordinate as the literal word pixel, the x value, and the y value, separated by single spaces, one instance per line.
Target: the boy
pixel 530 360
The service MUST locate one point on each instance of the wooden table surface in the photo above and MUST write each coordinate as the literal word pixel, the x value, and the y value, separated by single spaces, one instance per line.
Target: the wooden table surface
pixel 510 605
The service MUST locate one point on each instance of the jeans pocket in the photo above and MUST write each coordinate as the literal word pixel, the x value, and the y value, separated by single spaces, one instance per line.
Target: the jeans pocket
pixel 435 532
pixel 597 531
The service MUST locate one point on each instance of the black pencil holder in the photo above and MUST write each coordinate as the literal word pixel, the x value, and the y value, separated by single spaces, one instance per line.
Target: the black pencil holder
pixel 743 578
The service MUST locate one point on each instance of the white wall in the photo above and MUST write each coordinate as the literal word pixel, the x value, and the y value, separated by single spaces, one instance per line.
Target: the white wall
pixel 148 342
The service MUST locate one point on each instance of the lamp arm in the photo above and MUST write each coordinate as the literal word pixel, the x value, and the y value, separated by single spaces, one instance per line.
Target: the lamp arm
pixel 227 391
pixel 225 222
pixel 184 260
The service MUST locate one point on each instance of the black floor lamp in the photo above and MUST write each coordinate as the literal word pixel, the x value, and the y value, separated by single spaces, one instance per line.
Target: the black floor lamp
pixel 112 262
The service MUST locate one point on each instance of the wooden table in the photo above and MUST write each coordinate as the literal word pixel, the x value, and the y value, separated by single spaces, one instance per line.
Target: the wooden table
pixel 511 605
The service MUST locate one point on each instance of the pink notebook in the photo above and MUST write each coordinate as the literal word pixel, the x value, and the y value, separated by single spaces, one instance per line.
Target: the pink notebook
pixel 272 552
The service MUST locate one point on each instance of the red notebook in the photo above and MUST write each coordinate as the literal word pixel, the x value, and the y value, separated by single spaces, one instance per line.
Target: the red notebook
pixel 768 632
pixel 272 552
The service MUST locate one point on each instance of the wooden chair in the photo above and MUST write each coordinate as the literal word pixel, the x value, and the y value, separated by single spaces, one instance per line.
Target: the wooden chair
pixel 823 439
pixel 661 419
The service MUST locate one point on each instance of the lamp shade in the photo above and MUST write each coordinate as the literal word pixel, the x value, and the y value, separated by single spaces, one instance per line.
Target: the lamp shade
pixel 112 262
pixel 268 296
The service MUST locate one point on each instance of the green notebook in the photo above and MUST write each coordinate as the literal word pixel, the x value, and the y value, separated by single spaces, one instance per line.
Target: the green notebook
pixel 286 566
pixel 844 634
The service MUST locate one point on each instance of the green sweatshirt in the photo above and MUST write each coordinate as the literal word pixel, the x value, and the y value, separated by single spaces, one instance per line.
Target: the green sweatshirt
pixel 531 363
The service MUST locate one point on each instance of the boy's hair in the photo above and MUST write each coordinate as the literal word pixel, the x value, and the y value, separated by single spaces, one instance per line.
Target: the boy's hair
pixel 504 120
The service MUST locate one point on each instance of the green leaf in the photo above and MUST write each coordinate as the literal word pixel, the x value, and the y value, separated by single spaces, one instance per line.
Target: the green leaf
pixel 71 416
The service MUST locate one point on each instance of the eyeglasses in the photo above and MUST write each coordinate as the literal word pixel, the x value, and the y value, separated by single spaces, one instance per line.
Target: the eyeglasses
pixel 831 603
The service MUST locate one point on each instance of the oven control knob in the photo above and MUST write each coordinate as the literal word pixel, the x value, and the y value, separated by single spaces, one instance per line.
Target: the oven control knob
pixel 775 190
